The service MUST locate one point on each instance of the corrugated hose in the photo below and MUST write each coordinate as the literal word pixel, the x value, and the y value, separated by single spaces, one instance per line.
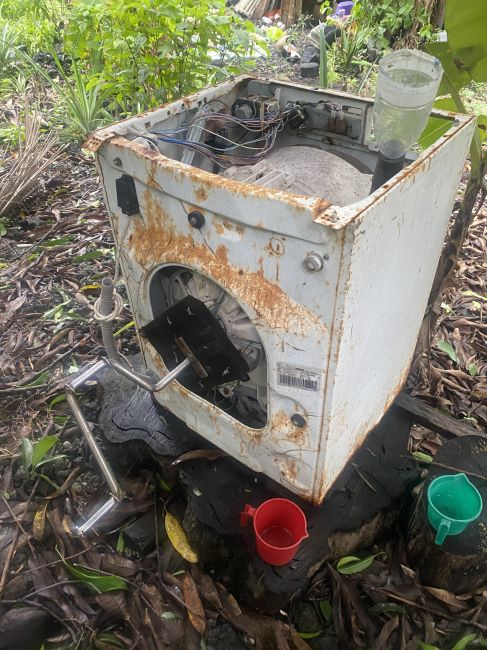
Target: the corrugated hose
pixel 108 306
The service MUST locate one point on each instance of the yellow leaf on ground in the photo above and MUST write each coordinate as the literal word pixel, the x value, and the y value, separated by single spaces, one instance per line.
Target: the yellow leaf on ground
pixel 39 522
pixel 178 538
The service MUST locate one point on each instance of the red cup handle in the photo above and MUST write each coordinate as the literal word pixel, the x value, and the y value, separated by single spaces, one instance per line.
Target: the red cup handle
pixel 248 513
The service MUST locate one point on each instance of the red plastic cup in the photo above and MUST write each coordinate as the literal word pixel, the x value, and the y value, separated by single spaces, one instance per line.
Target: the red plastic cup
pixel 279 527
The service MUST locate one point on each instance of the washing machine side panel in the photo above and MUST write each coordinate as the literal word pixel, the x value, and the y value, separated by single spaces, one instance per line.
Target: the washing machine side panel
pixel 390 257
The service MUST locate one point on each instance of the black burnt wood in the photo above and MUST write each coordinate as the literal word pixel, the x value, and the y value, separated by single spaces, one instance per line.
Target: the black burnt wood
pixel 356 512
pixel 360 508
pixel 129 413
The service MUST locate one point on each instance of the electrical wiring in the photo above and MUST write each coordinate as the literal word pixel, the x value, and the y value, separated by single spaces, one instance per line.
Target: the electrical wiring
pixel 267 126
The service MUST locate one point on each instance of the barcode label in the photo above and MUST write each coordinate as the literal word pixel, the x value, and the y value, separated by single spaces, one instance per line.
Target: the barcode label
pixel 300 377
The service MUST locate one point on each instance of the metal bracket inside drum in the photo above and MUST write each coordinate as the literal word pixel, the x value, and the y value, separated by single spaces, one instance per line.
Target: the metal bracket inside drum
pixel 189 328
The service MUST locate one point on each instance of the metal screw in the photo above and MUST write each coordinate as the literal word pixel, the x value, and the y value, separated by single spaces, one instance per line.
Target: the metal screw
pixel 313 262
pixel 117 162
pixel 298 420
pixel 196 219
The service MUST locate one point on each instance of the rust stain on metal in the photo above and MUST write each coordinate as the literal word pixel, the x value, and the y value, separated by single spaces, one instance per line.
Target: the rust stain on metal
pixel 219 227
pixel 96 139
pixel 222 226
pixel 155 240
pixel 275 247
pixel 211 181
pixel 290 471
pixel 201 193
pixel 318 208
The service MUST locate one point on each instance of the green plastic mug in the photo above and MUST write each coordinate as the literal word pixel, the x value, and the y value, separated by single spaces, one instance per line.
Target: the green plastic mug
pixel 453 503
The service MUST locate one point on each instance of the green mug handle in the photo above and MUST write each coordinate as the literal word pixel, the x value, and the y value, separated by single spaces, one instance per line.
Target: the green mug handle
pixel 442 532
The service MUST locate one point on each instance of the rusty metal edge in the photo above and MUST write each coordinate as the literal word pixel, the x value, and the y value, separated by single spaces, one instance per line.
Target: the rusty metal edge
pixel 331 216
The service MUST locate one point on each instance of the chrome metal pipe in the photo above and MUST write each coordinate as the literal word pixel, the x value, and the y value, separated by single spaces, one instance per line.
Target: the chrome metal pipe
pixel 146 383
pixel 105 468
pixel 167 379
pixel 95 517
pixel 80 379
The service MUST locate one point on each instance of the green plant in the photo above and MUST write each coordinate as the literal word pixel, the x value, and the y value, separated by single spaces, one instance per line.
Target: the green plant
pixel 38 454
pixel 351 43
pixel 323 60
pixel 464 60
pixel 8 40
pixel 387 20
pixel 34 22
pixel 82 108
pixel 151 51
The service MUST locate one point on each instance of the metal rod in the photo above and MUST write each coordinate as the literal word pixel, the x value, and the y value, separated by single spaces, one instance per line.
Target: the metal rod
pixel 162 383
pixel 140 380
pixel 146 383
pixel 86 374
pixel 105 468
pixel 95 517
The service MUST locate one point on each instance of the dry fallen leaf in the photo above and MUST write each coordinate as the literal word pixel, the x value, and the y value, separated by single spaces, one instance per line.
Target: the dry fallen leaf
pixel 453 603
pixel 192 600
pixel 178 538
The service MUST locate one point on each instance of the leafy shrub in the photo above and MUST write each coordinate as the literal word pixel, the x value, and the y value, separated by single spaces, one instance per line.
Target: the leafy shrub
pixel 388 20
pixel 34 22
pixel 151 51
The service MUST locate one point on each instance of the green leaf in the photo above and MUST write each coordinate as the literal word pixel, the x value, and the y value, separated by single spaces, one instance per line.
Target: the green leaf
pixel 108 637
pixel 472 369
pixel 437 126
pixel 454 76
pixel 386 608
pixel 425 458
pixel 326 610
pixel 473 294
pixel 50 460
pixel 41 379
pixel 446 347
pixel 465 23
pixel 41 448
pixel 120 547
pixel 170 616
pixel 56 400
pixel 3 229
pixel 482 127
pixel 350 564
pixel 464 642
pixel 26 453
pixel 61 241
pixel 125 327
pixel 162 484
pixel 274 33
pixel 93 255
pixel 97 582
pixel 428 646
pixel 310 635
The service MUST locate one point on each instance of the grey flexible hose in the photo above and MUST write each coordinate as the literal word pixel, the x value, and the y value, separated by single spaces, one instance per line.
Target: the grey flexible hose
pixel 106 307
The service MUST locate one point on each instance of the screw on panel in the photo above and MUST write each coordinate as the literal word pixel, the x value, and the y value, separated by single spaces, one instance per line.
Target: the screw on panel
pixel 196 219
pixel 313 262
pixel 298 420
pixel 117 162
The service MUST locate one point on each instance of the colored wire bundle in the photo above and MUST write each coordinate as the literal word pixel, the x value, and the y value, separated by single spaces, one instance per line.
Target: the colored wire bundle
pixel 261 130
